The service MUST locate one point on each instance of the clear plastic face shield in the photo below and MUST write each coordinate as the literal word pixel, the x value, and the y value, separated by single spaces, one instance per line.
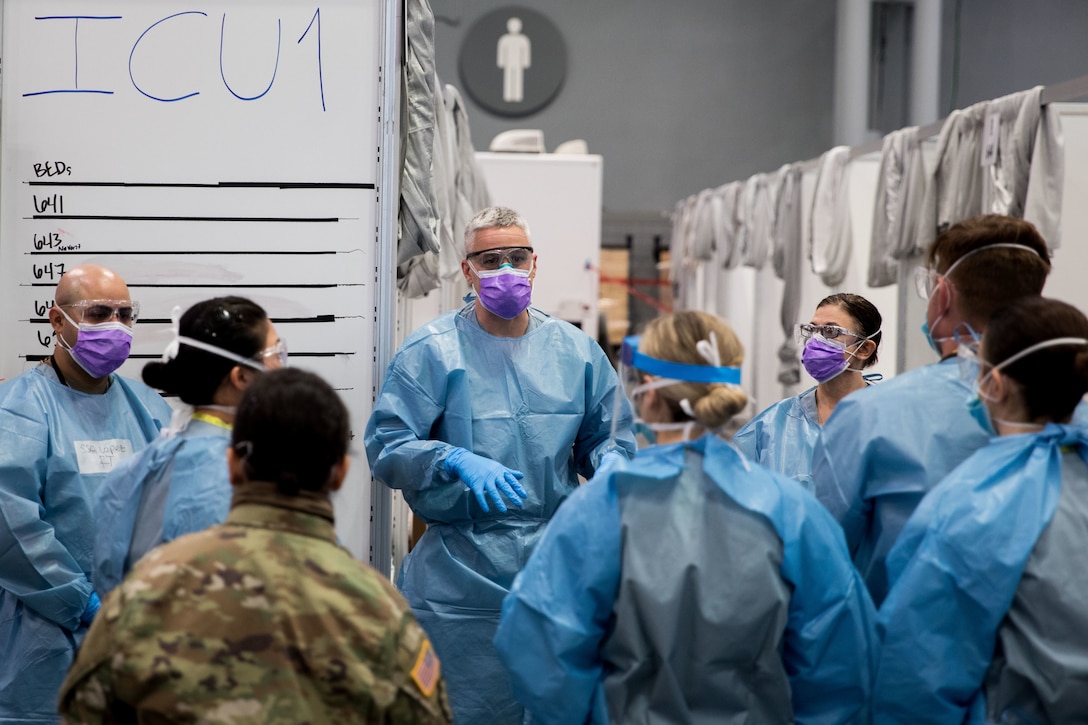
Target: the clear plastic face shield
pixel 639 373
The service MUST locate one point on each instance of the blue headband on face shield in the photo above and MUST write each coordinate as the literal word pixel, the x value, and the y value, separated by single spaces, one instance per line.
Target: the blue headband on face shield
pixel 631 357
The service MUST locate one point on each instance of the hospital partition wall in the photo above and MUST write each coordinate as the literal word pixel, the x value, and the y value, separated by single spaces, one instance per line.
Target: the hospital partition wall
pixel 750 297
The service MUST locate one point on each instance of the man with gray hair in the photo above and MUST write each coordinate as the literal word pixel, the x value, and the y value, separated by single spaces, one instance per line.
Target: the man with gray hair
pixel 487 417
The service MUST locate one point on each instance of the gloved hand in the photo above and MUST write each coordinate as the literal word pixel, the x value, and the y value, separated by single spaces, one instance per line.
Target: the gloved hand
pixel 485 476
pixel 93 605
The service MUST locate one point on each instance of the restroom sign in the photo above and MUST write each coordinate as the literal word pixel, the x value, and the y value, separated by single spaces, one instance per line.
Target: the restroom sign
pixel 513 61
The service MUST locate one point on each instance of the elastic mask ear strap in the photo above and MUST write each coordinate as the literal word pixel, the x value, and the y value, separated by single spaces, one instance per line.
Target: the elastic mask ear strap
pixel 1056 342
pixel 1001 245
pixel 854 353
pixel 174 347
pixel 686 426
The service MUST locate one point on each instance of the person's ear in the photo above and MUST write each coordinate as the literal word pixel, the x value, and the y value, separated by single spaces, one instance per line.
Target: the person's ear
pixel 946 294
pixel 338 473
pixel 1000 386
pixel 865 350
pixel 467 271
pixel 236 468
pixel 56 319
pixel 241 376
pixel 532 274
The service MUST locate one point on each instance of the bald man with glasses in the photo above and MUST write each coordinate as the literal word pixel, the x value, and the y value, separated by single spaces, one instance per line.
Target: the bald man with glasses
pixel 64 424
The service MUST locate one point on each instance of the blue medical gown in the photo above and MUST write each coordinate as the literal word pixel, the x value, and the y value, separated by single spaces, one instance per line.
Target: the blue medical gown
pixel 173 487
pixel 541 404
pixel 715 636
pixel 955 572
pixel 882 449
pixel 783 437
pixel 47 433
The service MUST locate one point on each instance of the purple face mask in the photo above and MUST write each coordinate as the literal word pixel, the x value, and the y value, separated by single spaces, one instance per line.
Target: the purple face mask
pixel 505 291
pixel 823 359
pixel 99 349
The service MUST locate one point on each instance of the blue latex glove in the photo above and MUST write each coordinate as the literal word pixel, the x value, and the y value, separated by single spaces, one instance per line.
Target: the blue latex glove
pixel 486 477
pixel 93 605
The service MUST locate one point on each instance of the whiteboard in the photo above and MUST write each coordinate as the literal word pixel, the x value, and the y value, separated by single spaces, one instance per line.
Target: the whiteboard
pixel 200 149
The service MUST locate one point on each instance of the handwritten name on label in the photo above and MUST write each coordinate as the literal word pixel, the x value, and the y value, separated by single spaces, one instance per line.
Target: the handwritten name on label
pixel 101 456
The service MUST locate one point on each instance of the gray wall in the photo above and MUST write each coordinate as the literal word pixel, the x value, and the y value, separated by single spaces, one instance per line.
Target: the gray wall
pixel 676 96
pixel 681 95
pixel 1012 45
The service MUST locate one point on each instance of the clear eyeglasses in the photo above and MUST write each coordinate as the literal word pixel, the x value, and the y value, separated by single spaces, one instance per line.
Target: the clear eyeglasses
pixel 278 351
pixel 925 279
pixel 95 312
pixel 828 332
pixel 519 257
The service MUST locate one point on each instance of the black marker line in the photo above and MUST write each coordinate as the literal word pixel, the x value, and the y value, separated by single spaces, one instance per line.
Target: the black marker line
pixel 133 218
pixel 167 321
pixel 223 286
pixel 149 356
pixel 292 354
pixel 217 185
pixel 118 251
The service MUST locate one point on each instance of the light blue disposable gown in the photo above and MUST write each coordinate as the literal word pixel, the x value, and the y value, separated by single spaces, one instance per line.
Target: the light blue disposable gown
pixel 783 437
pixel 690 585
pixel 541 404
pixel 46 522
pixel 882 449
pixel 173 487
pixel 986 617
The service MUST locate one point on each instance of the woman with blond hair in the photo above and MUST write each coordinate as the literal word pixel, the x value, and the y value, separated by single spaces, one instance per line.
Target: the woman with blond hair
pixel 688 584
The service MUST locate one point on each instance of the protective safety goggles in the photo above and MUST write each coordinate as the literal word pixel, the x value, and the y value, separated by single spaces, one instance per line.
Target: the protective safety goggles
pixel 96 312
pixel 925 278
pixel 491 259
pixel 279 351
pixel 831 333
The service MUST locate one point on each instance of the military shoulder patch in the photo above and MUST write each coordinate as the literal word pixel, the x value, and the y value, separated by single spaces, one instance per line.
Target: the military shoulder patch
pixel 427 669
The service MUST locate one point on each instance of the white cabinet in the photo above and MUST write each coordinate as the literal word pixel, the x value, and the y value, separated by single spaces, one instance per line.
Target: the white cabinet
pixel 560 197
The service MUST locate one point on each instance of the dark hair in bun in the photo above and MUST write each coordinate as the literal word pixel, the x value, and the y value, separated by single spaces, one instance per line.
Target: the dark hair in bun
pixel 235 324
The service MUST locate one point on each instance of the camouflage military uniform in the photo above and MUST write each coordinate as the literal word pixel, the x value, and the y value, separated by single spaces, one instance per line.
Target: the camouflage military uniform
pixel 264 619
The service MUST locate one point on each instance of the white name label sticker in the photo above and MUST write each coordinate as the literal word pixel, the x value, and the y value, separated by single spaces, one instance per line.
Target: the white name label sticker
pixel 101 456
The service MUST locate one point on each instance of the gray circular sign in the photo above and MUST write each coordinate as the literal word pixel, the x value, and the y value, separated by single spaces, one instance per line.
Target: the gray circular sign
pixel 513 61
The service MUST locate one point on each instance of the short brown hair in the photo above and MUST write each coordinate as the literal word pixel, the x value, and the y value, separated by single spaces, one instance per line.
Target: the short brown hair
pixel 1054 379
pixel 988 281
